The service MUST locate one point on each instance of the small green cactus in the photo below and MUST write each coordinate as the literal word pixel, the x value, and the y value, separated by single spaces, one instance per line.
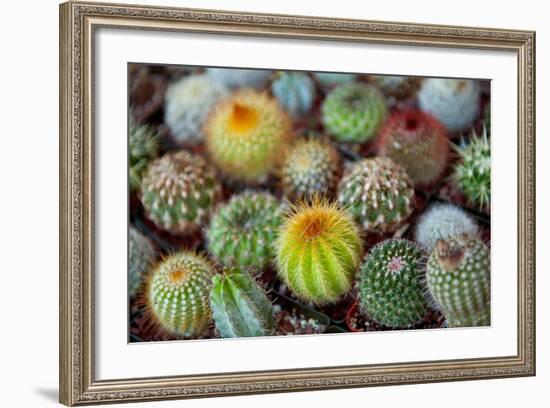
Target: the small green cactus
pixel 178 294
pixel 246 135
pixel 353 112
pixel 378 193
pixel 240 307
pixel 143 146
pixel 311 166
pixel 141 256
pixel 295 91
pixel 178 191
pixel 458 276
pixel 473 171
pixel 242 231
pixel 318 251
pixel 328 80
pixel 391 283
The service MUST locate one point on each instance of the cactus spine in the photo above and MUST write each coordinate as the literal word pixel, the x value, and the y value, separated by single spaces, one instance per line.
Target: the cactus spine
pixel 458 275
pixel 178 294
pixel 318 251
pixel 240 307
pixel 392 285
pixel 242 232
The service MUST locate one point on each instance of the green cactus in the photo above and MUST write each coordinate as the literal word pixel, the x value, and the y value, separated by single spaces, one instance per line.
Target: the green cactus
pixel 143 146
pixel 318 251
pixel 240 307
pixel 473 171
pixel 378 193
pixel 178 191
pixel 458 276
pixel 242 232
pixel 246 135
pixel 178 294
pixel 295 91
pixel 391 284
pixel 353 112
pixel 310 167
pixel 141 256
pixel 328 80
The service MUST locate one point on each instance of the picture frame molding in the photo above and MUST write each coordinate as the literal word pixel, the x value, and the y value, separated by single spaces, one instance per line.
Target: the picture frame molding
pixel 78 23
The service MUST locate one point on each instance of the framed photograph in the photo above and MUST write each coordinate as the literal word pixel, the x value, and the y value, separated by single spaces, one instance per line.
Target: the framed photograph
pixel 256 203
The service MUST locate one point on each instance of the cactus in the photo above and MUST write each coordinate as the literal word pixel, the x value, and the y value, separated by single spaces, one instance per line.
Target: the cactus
pixel 246 135
pixel 396 86
pixel 240 307
pixel 178 294
pixel 328 80
pixel 188 102
pixel 242 232
pixel 378 193
pixel 458 276
pixel 473 171
pixel 143 146
pixel 311 166
pixel 353 112
pixel 295 91
pixel 391 283
pixel 318 251
pixel 178 191
pixel 417 142
pixel 240 78
pixel 443 221
pixel 454 102
pixel 141 255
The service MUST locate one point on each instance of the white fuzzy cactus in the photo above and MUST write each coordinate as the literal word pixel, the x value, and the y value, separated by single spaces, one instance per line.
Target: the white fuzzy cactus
pixel 240 78
pixel 455 102
pixel 188 103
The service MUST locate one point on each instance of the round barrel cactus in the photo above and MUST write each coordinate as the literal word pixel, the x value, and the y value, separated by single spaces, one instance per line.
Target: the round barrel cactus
pixel 143 146
pixel 392 285
pixel 454 102
pixel 353 112
pixel 242 231
pixel 318 250
pixel 187 104
pixel 178 294
pixel 240 78
pixel 141 256
pixel 295 91
pixel 328 80
pixel 312 166
pixel 458 275
pixel 240 307
pixel 178 191
pixel 246 135
pixel 418 143
pixel 378 193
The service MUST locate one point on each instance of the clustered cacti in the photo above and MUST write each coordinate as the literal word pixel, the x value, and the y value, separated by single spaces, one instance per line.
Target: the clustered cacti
pixel 242 231
pixel 353 112
pixel 257 197
pixel 378 193
pixel 311 166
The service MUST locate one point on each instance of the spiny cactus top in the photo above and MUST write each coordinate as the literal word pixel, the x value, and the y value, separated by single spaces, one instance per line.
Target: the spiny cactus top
pixel 443 221
pixel 240 307
pixel 353 112
pixel 417 142
pixel 178 294
pixel 458 274
pixel 143 146
pixel 246 134
pixel 378 193
pixel 318 251
pixel 396 86
pixel 330 79
pixel 391 283
pixel 311 166
pixel 240 78
pixel 242 232
pixel 188 103
pixel 295 91
pixel 454 102
pixel 178 191
pixel 473 171
pixel 141 255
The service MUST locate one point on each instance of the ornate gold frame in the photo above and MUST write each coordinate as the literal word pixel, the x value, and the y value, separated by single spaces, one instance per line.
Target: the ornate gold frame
pixel 78 22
